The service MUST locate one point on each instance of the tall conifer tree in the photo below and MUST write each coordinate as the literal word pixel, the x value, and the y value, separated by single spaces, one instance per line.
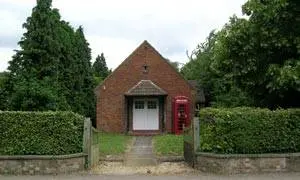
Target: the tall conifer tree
pixel 33 69
pixel 52 71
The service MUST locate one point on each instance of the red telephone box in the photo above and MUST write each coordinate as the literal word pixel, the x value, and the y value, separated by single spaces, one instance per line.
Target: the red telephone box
pixel 181 113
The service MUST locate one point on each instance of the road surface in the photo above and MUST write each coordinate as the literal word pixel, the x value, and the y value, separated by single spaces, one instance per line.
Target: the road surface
pixel 274 176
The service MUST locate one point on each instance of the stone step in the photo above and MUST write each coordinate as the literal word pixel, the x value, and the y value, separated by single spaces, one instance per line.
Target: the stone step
pixel 132 156
pixel 142 146
pixel 139 151
pixel 141 162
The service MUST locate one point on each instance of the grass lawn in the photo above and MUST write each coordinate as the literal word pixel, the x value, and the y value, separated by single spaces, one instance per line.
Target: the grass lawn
pixel 113 144
pixel 168 144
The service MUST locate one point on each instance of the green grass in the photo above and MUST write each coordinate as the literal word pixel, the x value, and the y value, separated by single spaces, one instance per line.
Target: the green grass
pixel 113 144
pixel 168 145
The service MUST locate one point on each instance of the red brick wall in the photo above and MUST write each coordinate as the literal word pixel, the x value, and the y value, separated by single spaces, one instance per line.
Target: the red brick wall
pixel 111 111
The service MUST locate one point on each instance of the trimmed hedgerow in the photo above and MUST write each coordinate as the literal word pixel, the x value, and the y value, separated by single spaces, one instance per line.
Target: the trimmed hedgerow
pixel 249 130
pixel 40 133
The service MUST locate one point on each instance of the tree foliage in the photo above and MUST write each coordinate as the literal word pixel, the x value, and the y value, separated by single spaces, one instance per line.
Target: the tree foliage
pixel 52 70
pixel 219 88
pixel 3 90
pixel 100 68
pixel 86 83
pixel 256 58
pixel 35 66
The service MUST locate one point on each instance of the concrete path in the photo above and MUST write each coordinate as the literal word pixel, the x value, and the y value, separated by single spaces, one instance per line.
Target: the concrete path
pixel 273 176
pixel 140 153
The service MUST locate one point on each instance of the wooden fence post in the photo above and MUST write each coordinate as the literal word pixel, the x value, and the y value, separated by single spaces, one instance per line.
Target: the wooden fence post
pixel 87 140
pixel 191 142
pixel 196 133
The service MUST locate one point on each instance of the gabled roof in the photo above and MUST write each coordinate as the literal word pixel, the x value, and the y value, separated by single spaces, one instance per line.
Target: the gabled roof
pixel 127 59
pixel 145 88
pixel 145 43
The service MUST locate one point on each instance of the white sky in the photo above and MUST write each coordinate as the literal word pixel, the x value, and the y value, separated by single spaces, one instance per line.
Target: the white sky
pixel 117 27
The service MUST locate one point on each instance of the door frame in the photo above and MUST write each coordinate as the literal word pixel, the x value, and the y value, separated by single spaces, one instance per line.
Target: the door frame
pixel 128 115
pixel 145 114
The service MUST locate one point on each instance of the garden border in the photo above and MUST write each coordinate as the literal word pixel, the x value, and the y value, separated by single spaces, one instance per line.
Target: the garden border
pixel 56 164
pixel 42 164
pixel 246 163
pixel 235 163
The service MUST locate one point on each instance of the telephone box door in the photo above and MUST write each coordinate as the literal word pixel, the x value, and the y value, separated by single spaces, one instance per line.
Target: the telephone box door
pixel 181 112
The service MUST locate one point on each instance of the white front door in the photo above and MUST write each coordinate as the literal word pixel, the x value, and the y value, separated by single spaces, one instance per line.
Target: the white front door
pixel 145 114
pixel 152 114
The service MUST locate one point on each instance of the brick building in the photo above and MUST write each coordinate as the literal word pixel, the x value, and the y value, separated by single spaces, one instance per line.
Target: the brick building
pixel 137 96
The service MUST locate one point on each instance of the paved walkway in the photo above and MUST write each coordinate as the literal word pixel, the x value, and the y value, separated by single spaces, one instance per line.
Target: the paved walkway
pixel 141 153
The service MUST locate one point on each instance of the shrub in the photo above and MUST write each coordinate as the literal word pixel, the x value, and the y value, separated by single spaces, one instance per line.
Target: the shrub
pixel 249 130
pixel 40 133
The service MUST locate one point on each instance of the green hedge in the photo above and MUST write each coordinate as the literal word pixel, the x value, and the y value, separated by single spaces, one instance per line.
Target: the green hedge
pixel 249 130
pixel 40 133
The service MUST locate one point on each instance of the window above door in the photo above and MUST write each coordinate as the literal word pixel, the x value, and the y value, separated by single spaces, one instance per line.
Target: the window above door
pixel 139 104
pixel 152 104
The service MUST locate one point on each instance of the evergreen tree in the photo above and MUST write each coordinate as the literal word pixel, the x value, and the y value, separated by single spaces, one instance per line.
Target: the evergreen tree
pixel 84 84
pixel 100 68
pixel 33 69
pixel 52 71
pixel 3 90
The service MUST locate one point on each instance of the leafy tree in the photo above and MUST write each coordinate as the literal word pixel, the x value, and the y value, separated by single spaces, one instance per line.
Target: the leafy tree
pixel 254 59
pixel 100 68
pixel 219 88
pixel 264 52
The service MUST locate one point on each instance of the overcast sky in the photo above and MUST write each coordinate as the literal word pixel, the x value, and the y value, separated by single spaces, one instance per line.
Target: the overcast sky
pixel 117 27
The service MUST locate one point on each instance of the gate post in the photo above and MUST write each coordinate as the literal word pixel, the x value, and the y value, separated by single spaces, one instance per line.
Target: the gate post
pixel 87 140
pixel 191 142
pixel 196 133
